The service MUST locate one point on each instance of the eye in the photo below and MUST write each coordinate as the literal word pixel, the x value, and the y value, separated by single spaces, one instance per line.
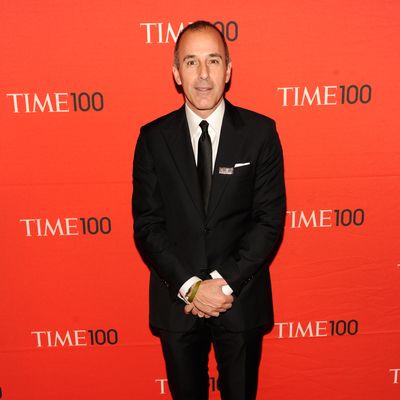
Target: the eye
pixel 214 61
pixel 190 63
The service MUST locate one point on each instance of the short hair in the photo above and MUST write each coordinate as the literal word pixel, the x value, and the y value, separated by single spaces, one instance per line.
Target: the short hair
pixel 197 26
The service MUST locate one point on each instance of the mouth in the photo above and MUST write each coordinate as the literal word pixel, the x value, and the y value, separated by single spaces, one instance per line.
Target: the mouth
pixel 203 89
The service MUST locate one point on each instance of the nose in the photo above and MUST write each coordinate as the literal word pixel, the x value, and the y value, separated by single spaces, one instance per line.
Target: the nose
pixel 203 72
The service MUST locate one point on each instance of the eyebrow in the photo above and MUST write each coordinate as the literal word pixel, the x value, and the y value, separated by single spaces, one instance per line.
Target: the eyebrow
pixel 215 55
pixel 190 56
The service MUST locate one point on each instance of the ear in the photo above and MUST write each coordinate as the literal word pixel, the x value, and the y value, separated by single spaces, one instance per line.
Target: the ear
pixel 228 72
pixel 177 76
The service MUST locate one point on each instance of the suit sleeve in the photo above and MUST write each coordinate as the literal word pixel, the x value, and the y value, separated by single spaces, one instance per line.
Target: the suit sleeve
pixel 259 244
pixel 150 233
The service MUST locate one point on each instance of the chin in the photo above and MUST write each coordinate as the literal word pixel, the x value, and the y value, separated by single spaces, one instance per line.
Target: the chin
pixel 205 106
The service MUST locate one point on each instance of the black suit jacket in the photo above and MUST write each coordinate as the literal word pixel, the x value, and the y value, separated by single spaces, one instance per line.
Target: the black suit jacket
pixel 243 226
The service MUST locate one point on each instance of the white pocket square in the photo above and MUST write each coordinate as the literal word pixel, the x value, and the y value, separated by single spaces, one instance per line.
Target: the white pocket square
pixel 237 165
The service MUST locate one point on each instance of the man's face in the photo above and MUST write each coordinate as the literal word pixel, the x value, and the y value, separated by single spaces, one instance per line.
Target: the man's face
pixel 202 70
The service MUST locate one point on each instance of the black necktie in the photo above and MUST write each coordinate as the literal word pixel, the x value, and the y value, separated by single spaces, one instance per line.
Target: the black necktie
pixel 204 163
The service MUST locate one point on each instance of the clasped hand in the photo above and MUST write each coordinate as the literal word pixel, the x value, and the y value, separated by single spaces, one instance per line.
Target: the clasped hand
pixel 210 301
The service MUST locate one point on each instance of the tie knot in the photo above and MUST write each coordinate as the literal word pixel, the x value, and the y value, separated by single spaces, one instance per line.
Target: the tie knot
pixel 204 126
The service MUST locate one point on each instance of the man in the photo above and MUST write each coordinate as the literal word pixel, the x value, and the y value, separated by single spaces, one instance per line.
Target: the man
pixel 209 207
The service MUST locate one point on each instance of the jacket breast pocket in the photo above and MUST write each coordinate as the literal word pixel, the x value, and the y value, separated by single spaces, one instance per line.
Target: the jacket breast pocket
pixel 244 172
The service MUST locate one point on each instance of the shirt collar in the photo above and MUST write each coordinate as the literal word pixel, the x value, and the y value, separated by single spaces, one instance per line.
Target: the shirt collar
pixel 214 119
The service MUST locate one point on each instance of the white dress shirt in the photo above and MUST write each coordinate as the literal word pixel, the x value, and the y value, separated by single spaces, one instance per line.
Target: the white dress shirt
pixel 214 130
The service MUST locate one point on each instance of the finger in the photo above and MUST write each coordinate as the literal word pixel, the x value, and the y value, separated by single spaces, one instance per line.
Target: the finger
pixel 230 298
pixel 188 308
pixel 223 308
pixel 210 312
pixel 195 311
pixel 227 306
pixel 202 307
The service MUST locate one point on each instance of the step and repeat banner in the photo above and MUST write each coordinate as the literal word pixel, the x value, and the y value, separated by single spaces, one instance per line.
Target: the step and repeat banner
pixel 79 78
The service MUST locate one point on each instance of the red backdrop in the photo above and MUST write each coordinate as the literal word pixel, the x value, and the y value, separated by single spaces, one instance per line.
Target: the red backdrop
pixel 78 79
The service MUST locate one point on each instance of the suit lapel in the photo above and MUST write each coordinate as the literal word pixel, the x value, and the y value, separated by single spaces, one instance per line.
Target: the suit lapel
pixel 230 144
pixel 177 137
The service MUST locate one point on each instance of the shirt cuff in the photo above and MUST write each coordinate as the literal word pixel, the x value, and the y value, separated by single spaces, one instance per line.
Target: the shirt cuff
pixel 226 289
pixel 186 286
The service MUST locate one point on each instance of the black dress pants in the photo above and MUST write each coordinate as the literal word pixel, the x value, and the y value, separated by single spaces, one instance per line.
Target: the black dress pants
pixel 238 357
